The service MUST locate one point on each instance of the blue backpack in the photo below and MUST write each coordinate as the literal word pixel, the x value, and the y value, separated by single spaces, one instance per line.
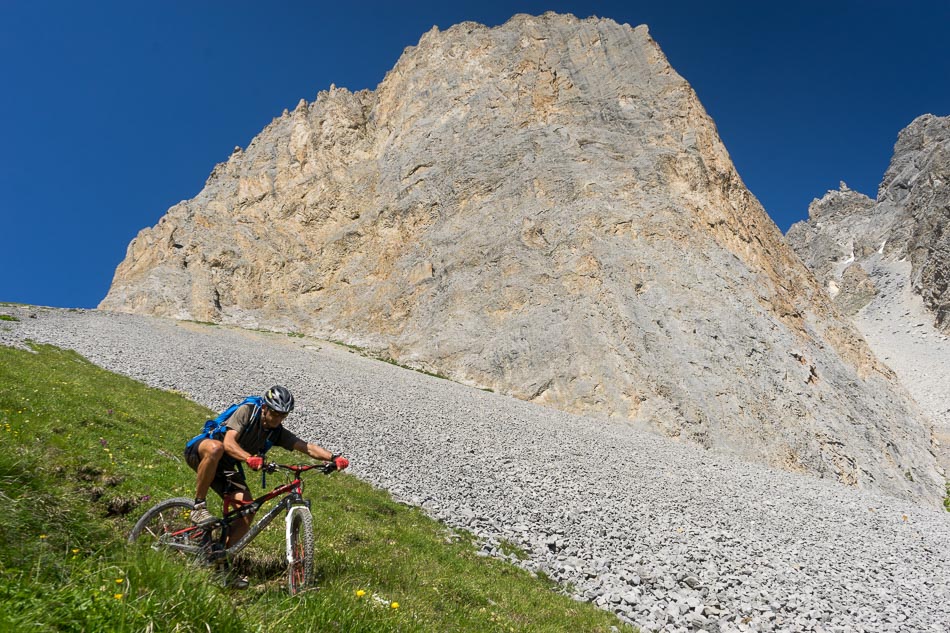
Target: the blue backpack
pixel 216 428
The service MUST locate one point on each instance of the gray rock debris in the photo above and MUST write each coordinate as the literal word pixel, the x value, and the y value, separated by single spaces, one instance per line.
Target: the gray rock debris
pixel 665 535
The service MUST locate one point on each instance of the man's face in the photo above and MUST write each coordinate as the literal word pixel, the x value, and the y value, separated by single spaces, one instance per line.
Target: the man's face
pixel 271 419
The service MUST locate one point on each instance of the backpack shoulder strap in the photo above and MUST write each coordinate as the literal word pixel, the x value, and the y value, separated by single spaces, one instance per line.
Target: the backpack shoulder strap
pixel 218 425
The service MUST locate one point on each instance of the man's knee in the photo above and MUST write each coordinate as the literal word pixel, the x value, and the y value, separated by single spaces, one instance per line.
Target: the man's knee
pixel 211 450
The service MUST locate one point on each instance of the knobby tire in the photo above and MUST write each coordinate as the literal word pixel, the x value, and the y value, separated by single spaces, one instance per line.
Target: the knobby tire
pixel 162 519
pixel 299 549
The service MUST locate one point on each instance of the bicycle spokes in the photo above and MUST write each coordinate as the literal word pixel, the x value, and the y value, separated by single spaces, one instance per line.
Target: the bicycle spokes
pixel 167 525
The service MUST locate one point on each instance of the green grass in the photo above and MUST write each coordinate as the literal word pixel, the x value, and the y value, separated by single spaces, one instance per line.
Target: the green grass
pixel 352 348
pixel 510 549
pixel 8 317
pixel 387 359
pixel 84 452
pixel 362 351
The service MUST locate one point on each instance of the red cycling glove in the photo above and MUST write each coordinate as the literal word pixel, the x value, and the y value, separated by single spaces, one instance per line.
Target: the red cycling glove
pixel 255 462
pixel 339 462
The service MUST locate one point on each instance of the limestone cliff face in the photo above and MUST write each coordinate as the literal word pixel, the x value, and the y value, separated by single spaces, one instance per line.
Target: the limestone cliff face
pixel 846 232
pixel 543 208
pixel 831 255
pixel 886 262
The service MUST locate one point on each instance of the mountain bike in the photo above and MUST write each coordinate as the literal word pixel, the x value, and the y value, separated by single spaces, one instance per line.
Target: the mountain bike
pixel 167 525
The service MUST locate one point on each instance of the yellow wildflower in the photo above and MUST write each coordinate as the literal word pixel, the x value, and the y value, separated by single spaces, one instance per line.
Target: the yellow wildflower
pixel 360 593
pixel 395 605
pixel 117 596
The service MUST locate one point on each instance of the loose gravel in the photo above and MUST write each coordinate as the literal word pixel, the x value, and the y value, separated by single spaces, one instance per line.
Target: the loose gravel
pixel 901 331
pixel 666 535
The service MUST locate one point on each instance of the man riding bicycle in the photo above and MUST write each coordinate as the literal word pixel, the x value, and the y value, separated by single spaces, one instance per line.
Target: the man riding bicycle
pixel 250 430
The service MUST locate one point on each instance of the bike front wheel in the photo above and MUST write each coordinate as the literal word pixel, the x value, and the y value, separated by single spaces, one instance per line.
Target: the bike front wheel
pixel 299 548
pixel 167 525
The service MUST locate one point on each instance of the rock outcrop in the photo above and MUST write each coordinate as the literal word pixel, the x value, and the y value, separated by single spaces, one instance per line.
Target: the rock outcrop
pixel 887 263
pixel 909 219
pixel 544 209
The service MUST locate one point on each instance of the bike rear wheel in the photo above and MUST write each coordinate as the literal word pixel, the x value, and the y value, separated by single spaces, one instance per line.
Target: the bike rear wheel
pixel 299 549
pixel 167 525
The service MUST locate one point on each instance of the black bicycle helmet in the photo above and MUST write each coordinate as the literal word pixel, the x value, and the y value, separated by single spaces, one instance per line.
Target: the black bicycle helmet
pixel 279 399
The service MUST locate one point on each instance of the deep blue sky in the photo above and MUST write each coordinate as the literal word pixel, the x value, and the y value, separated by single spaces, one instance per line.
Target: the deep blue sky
pixel 114 111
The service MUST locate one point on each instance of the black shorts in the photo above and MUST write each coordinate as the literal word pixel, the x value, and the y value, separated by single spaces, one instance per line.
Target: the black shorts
pixel 222 483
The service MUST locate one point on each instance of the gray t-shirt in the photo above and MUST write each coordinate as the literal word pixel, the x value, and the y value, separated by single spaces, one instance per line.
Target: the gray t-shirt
pixel 252 435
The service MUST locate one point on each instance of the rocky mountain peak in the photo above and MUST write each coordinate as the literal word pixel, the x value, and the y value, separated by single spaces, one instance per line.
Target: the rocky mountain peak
pixel 887 262
pixel 908 220
pixel 841 201
pixel 544 209
pixel 922 149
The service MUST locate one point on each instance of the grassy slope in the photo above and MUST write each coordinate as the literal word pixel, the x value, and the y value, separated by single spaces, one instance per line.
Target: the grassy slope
pixel 83 452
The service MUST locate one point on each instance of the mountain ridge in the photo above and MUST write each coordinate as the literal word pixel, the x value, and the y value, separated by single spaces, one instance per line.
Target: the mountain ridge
pixel 542 208
pixel 886 262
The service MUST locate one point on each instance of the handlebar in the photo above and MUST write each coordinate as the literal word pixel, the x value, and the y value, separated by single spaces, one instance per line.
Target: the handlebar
pixel 271 467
